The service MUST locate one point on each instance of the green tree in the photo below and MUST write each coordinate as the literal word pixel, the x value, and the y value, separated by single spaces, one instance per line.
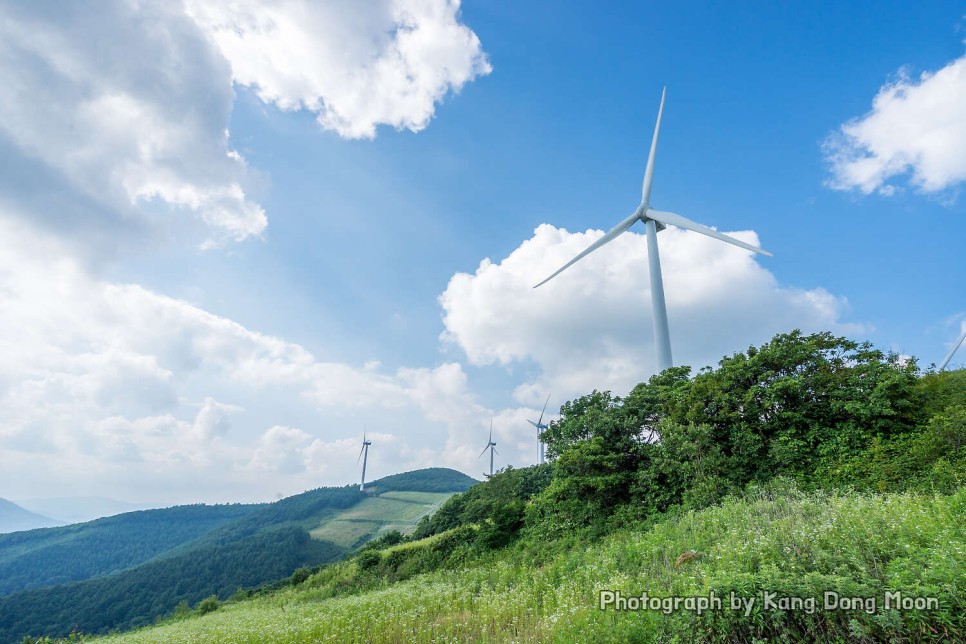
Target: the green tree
pixel 801 399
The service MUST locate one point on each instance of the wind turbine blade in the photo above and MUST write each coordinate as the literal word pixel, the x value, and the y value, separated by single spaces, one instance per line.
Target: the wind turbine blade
pixel 483 452
pixel 949 356
pixel 360 454
pixel 649 171
pixel 496 450
pixel 613 233
pixel 533 423
pixel 671 219
pixel 544 410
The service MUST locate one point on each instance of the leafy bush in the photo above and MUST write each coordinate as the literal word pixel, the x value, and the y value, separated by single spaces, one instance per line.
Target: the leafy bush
pixel 300 575
pixel 368 559
pixel 208 605
pixel 485 502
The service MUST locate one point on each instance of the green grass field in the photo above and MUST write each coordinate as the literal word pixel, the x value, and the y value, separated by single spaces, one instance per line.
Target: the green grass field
pixel 794 544
pixel 377 515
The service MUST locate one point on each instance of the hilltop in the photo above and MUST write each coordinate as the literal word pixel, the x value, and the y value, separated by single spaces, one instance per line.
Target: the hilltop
pixel 128 569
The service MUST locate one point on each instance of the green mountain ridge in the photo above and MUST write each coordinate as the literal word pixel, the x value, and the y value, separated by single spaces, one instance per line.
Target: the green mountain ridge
pixel 190 552
pixel 51 556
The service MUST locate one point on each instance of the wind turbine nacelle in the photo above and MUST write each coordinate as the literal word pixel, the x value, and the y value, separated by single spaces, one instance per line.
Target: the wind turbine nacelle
pixel 658 224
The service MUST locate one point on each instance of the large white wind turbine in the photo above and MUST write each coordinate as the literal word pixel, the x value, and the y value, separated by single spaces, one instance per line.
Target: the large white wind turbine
pixel 949 356
pixel 540 427
pixel 490 445
pixel 364 455
pixel 655 221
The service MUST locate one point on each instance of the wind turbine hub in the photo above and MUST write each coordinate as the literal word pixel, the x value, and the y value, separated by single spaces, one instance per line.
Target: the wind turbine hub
pixel 660 226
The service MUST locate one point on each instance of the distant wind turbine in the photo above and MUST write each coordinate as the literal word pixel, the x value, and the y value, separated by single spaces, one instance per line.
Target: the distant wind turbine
pixel 490 445
pixel 949 356
pixel 540 428
pixel 655 221
pixel 364 455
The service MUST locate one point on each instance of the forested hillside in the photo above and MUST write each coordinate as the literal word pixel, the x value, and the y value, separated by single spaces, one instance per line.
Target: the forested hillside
pixel 809 465
pixel 39 558
pixel 246 547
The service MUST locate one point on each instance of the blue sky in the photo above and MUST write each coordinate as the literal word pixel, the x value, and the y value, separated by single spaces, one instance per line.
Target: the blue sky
pixel 193 317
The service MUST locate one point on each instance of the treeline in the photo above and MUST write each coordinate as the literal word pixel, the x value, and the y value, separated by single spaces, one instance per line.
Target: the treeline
pixel 824 411
pixel 258 547
pixel 51 556
pixel 821 411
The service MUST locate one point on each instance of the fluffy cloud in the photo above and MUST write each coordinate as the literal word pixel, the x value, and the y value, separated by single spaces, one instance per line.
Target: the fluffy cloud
pixel 356 64
pixel 116 120
pixel 914 126
pixel 591 326
pixel 126 106
pixel 113 128
pixel 116 378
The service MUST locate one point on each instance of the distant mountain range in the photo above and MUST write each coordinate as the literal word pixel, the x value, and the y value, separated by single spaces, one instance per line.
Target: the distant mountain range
pixel 124 571
pixel 14 517
pixel 78 509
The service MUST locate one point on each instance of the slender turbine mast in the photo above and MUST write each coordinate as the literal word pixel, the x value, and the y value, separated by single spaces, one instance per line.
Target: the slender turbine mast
pixel 490 445
pixel 655 221
pixel 364 455
pixel 540 428
pixel 949 356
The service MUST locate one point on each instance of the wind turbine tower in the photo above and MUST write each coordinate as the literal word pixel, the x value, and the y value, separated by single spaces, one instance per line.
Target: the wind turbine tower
pixel 949 356
pixel 655 221
pixel 490 445
pixel 541 426
pixel 364 455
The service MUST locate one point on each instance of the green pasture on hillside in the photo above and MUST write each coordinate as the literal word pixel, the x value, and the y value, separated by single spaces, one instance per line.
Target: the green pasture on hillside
pixel 377 515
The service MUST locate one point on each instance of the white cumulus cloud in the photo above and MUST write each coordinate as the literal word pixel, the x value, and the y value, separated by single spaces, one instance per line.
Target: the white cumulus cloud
pixel 116 120
pixel 132 384
pixel 916 126
pixel 126 106
pixel 591 326
pixel 355 64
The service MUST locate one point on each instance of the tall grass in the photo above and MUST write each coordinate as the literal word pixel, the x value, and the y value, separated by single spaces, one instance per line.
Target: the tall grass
pixel 782 541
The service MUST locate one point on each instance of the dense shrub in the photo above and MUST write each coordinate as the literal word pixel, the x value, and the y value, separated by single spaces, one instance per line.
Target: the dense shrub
pixel 300 575
pixel 208 605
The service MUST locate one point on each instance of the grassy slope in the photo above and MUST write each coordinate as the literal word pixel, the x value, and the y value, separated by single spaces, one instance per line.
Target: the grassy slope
pixel 856 544
pixel 377 515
